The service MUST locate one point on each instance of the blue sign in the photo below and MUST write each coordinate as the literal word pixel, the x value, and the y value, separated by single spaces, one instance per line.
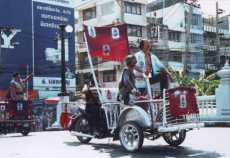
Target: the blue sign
pixel 47 44
pixel 16 39
pixel 29 38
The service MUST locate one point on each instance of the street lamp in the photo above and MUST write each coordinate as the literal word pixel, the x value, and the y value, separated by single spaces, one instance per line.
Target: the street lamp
pixel 64 98
pixel 68 29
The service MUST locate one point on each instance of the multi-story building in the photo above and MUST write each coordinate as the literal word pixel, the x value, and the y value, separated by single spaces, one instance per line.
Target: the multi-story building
pixel 105 12
pixel 210 41
pixel 179 36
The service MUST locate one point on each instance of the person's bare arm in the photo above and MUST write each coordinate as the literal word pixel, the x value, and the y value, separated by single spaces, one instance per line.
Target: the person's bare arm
pixel 166 72
pixel 29 77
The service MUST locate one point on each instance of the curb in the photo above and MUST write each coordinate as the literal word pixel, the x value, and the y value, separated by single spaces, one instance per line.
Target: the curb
pixel 217 124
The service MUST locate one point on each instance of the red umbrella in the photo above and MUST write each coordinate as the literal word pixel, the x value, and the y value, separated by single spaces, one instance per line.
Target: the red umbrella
pixel 53 100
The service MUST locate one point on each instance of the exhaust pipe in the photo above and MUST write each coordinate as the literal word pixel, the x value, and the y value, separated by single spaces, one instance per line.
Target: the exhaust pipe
pixel 79 134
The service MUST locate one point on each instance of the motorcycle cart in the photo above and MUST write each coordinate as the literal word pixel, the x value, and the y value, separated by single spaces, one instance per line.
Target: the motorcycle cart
pixel 170 117
pixel 15 116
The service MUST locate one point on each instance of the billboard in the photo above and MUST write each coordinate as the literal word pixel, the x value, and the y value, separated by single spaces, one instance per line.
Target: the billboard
pixel 46 20
pixel 32 43
pixel 16 39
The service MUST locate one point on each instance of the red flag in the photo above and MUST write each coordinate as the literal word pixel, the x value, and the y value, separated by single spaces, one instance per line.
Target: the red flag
pixel 108 42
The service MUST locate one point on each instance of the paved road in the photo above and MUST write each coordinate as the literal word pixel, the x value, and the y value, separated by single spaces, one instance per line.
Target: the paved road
pixel 204 143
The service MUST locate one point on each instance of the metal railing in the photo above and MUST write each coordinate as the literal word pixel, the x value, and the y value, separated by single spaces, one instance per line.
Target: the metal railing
pixel 207 106
pixel 112 112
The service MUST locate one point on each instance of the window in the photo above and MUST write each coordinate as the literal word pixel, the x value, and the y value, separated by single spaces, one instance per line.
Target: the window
pixel 89 13
pixel 174 36
pixel 135 30
pixel 196 38
pixel 196 19
pixel 133 8
pixel 109 76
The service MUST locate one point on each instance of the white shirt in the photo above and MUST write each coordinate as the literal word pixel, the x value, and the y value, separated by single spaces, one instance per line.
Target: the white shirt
pixel 156 66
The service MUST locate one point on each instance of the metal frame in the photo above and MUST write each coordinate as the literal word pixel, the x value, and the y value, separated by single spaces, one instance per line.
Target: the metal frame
pixel 169 123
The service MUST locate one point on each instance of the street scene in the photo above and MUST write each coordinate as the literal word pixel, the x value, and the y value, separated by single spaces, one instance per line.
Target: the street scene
pixel 115 78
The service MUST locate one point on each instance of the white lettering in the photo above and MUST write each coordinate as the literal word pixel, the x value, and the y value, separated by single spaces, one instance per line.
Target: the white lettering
pixel 8 38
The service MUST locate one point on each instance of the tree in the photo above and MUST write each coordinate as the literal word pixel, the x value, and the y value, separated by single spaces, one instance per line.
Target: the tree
pixel 204 85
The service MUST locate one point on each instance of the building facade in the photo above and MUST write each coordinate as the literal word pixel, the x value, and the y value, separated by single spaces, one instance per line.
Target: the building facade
pixel 213 59
pixel 177 29
pixel 106 12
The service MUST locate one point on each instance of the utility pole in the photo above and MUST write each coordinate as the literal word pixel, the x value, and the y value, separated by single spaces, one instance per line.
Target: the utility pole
pixel 187 37
pixel 63 69
pixel 217 34
pixel 218 11
pixel 121 4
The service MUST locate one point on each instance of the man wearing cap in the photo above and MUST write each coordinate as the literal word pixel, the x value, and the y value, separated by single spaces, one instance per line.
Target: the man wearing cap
pixel 17 87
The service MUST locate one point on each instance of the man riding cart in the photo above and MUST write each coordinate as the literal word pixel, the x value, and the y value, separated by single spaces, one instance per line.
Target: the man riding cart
pixel 16 109
pixel 132 120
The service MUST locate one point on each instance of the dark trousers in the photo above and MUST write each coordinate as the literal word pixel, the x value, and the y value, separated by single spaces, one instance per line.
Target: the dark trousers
pixel 163 79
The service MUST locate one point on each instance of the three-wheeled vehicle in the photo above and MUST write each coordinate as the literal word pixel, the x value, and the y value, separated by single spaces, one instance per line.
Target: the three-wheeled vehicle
pixel 15 116
pixel 170 117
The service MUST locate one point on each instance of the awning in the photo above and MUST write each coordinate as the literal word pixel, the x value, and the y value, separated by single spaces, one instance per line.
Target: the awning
pixel 52 100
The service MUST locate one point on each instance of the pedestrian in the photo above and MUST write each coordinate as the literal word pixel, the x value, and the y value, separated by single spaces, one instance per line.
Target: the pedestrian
pixel 17 87
pixel 149 64
pixel 127 88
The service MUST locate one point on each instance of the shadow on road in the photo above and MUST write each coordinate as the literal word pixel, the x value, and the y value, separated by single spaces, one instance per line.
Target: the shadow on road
pixel 159 151
pixel 14 136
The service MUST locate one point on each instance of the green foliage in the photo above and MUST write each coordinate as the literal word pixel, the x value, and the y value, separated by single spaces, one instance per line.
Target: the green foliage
pixel 181 78
pixel 204 85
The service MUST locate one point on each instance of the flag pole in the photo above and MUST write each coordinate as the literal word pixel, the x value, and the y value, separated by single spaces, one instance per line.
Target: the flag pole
pixel 92 70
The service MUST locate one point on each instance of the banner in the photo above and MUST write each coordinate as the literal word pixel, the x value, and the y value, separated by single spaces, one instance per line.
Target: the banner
pixel 108 42
pixel 182 101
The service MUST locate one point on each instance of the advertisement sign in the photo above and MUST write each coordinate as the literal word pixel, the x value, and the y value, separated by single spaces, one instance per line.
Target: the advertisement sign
pixel 16 39
pixel 47 18
pixel 30 40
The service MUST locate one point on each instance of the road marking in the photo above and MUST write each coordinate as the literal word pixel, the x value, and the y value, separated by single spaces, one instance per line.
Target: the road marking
pixel 199 154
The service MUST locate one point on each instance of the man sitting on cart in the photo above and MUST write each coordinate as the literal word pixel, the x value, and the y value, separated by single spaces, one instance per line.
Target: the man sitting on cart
pixel 127 87
pixel 149 64
pixel 17 87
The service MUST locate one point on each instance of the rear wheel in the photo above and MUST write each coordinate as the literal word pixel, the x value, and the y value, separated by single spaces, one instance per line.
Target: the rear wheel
pixel 82 126
pixel 131 136
pixel 25 131
pixel 175 138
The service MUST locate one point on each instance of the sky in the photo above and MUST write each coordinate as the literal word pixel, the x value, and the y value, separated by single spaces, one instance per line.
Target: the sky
pixel 209 6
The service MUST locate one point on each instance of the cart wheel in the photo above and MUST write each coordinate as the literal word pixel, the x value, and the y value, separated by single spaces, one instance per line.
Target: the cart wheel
pixel 82 125
pixel 25 132
pixel 175 138
pixel 131 136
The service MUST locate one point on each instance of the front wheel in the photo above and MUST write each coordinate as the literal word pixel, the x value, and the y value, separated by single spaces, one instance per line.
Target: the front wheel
pixel 131 136
pixel 175 138
pixel 82 126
